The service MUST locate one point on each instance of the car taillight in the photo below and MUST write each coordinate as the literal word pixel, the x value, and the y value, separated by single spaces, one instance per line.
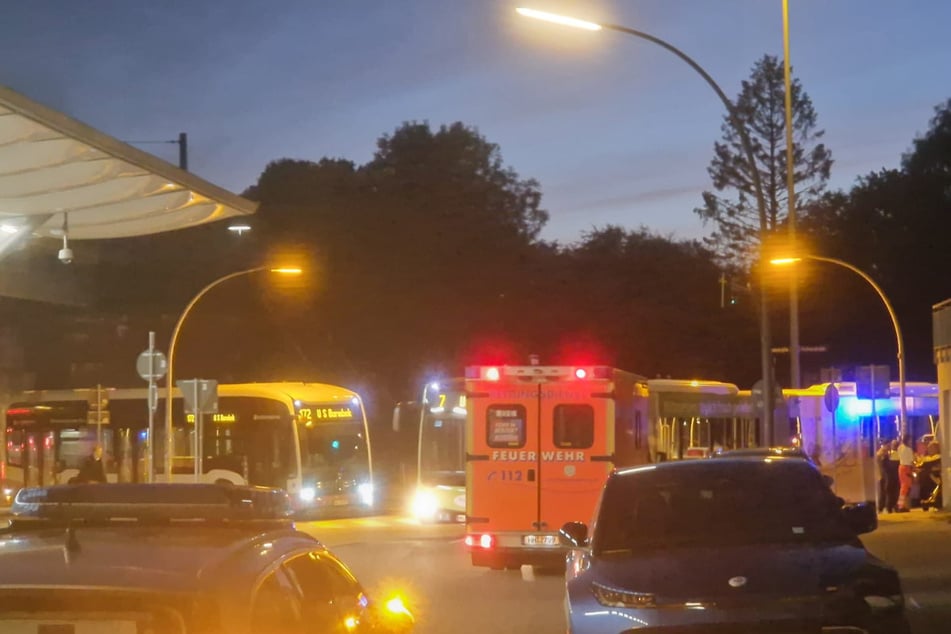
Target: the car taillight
pixel 492 374
pixel 484 541
pixel 581 373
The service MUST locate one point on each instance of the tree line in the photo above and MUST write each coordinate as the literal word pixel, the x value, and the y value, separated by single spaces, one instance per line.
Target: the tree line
pixel 428 257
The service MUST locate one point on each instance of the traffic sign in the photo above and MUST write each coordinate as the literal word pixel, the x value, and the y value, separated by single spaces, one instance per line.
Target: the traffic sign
pixel 200 395
pixel 872 382
pixel 151 366
pixel 831 398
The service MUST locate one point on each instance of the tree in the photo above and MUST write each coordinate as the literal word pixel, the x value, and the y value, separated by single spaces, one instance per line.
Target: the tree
pixel 891 225
pixel 760 107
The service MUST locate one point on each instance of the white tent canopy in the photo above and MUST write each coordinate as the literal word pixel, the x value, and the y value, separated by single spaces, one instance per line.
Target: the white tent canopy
pixel 54 168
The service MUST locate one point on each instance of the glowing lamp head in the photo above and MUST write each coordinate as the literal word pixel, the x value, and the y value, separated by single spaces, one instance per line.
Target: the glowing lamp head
pixel 784 261
pixel 581 373
pixel 493 374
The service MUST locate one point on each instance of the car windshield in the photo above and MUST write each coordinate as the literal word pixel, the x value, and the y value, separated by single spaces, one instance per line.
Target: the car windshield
pixel 710 504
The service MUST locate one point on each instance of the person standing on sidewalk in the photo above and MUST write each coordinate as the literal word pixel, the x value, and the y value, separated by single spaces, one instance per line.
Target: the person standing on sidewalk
pixel 891 476
pixel 906 466
pixel 881 461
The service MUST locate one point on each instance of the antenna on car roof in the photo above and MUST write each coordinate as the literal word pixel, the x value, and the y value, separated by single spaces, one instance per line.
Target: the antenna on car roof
pixel 72 544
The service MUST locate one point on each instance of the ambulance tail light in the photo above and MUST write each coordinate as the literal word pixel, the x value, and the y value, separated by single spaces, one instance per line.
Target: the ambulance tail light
pixel 483 541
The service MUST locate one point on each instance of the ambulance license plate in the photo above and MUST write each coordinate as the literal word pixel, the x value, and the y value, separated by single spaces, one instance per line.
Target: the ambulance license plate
pixel 540 540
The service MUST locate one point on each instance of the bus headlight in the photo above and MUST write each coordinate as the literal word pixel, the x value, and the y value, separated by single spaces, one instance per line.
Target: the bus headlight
pixel 307 494
pixel 365 491
pixel 425 505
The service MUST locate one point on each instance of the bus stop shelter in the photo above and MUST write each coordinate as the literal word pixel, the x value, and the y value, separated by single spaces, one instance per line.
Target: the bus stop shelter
pixel 60 177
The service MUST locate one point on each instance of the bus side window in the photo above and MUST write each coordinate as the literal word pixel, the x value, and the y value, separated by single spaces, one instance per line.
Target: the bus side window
pixel 15 447
pixel 638 432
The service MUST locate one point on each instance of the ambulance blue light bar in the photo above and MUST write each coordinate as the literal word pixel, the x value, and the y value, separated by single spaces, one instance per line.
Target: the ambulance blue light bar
pixel 523 372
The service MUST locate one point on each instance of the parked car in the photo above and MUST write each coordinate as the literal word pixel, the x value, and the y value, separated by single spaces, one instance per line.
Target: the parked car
pixel 741 544
pixel 175 559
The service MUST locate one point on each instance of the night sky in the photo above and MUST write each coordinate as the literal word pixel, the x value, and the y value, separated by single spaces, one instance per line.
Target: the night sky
pixel 616 130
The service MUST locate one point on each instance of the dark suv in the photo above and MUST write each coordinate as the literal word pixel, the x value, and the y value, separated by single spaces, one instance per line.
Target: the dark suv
pixel 741 545
pixel 175 559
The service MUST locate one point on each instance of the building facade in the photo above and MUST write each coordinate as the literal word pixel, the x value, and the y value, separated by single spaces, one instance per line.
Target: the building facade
pixel 942 357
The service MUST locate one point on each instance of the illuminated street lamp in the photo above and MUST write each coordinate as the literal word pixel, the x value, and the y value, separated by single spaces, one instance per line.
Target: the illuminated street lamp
pixel 902 409
pixel 170 381
pixel 740 128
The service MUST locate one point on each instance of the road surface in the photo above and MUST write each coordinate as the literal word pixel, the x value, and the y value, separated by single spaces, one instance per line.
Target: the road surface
pixel 429 564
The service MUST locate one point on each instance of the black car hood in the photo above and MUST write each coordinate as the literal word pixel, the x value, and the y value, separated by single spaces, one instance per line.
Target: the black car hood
pixel 734 572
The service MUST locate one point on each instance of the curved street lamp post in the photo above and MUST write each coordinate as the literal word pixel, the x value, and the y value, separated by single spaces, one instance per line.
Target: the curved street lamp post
pixel 902 407
pixel 740 128
pixel 170 377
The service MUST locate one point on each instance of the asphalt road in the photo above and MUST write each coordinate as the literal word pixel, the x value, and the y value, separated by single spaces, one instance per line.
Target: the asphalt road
pixel 428 564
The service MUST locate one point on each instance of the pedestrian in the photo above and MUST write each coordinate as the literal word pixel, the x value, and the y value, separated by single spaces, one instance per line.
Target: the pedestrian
pixel 891 478
pixel 906 466
pixel 881 458
pixel 92 469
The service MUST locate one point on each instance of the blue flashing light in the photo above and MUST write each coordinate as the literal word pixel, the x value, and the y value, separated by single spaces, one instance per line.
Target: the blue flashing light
pixel 355 401
pixel 335 444
pixel 855 408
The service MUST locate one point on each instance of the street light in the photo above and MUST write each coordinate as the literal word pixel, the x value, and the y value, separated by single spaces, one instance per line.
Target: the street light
pixel 794 366
pixel 740 128
pixel 902 409
pixel 170 381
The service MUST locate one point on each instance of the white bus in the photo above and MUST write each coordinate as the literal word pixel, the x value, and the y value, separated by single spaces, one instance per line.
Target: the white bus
pixel 311 439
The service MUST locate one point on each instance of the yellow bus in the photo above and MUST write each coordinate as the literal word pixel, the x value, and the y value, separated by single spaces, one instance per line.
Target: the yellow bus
pixel 311 439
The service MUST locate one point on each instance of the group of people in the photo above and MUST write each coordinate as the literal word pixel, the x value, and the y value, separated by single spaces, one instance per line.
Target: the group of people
pixel 896 463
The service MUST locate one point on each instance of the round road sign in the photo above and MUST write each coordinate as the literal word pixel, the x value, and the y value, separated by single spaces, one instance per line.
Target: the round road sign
pixel 831 398
pixel 158 366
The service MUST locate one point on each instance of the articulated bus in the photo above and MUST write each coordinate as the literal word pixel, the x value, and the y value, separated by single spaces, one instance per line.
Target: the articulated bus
pixel 693 419
pixel 308 438
pixel 541 441
pixel 842 442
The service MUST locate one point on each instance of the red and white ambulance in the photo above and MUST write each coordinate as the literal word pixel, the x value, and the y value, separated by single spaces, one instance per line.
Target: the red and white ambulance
pixel 541 441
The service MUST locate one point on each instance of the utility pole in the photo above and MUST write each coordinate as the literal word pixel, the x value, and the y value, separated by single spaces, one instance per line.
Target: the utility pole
pixel 183 151
pixel 182 142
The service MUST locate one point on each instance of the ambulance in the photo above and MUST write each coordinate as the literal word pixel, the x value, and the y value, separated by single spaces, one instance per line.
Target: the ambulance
pixel 541 441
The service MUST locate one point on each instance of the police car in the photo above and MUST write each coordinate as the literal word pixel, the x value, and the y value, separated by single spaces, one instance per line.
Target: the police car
pixel 174 559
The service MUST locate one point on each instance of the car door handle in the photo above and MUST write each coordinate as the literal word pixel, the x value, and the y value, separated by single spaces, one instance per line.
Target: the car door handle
pixel 531 475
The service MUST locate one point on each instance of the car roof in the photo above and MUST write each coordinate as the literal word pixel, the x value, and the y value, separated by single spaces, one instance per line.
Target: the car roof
pixel 723 462
pixel 150 557
pixel 166 537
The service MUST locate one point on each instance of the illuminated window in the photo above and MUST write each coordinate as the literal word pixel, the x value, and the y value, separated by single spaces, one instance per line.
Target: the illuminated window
pixel 505 426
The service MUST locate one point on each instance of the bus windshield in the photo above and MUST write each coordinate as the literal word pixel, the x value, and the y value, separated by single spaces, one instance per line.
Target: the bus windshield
pixel 442 439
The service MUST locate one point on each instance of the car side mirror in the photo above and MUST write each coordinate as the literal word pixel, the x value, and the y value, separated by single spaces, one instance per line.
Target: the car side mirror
pixel 860 517
pixel 576 533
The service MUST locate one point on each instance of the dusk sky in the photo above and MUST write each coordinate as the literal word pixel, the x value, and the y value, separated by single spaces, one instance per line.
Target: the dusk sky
pixel 615 129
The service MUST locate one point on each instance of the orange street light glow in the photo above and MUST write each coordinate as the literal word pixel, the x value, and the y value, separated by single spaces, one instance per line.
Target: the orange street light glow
pixel 287 270
pixel 559 19
pixel 781 261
